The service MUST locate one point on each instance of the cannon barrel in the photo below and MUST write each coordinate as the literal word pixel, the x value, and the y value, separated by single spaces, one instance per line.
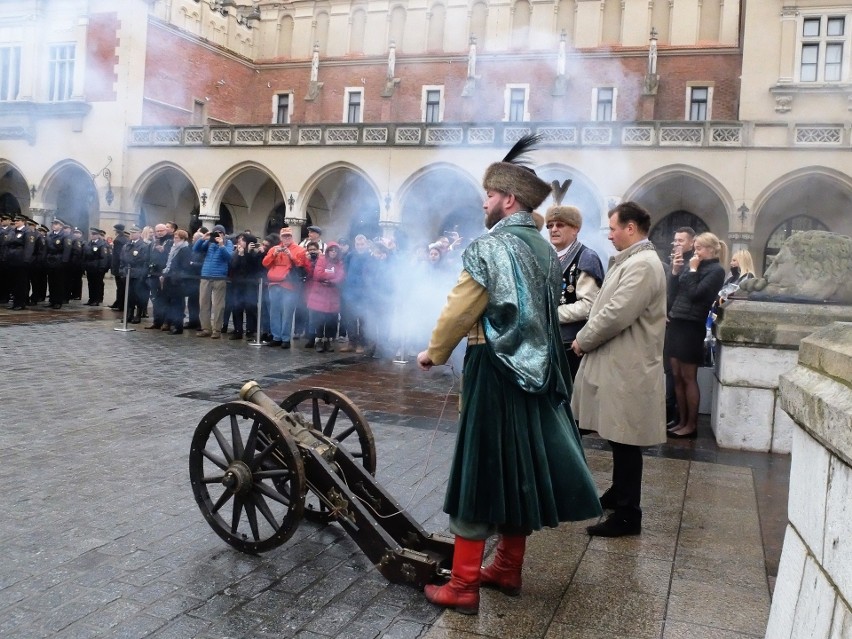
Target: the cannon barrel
pixel 251 392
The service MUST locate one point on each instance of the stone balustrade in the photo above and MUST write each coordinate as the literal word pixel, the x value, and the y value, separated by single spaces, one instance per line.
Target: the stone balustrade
pixel 758 342
pixel 813 590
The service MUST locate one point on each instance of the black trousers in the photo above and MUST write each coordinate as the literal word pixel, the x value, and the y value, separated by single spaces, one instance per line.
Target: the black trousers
pixel 95 279
pixel 627 477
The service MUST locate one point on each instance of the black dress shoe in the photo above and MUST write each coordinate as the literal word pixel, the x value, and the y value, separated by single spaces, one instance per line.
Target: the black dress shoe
pixel 285 344
pixel 617 525
pixel 176 331
pixel 692 435
pixel 235 336
pixel 275 342
pixel 56 307
pixel 192 325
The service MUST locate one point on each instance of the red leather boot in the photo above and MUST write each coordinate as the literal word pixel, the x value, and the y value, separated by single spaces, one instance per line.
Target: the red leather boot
pixel 505 572
pixel 462 591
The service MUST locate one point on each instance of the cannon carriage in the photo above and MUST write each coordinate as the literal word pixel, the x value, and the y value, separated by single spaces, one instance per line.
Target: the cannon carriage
pixel 258 467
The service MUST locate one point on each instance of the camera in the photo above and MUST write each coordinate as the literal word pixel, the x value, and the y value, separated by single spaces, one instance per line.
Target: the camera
pixel 214 235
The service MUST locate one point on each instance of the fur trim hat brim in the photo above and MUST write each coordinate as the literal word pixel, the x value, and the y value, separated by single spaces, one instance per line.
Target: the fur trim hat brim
pixel 569 215
pixel 521 182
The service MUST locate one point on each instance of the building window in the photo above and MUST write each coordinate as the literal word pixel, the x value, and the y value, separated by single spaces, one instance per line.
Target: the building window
pixel 517 103
pixel 10 73
pixel 698 103
pixel 603 104
pixel 824 46
pixel 433 104
pixel 353 108
pixel 282 108
pixel 61 70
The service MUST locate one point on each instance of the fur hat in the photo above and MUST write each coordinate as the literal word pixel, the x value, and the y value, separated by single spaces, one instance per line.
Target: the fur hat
pixel 569 215
pixel 511 175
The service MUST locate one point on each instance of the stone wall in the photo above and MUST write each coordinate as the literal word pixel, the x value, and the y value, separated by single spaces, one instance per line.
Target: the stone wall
pixel 758 342
pixel 814 586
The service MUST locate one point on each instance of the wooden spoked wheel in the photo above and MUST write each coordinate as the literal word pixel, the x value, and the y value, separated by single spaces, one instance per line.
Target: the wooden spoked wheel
pixel 247 477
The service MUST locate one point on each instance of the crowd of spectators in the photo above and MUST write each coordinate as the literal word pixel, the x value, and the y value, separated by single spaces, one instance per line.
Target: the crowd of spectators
pixel 365 296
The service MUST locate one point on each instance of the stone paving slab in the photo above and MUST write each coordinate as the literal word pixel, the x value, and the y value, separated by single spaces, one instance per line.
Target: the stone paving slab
pixel 101 537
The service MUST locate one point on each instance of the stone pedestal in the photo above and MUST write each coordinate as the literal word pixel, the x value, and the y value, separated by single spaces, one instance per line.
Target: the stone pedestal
pixel 758 342
pixel 814 585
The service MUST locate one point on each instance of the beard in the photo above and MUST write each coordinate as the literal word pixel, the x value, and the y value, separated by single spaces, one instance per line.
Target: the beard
pixel 494 215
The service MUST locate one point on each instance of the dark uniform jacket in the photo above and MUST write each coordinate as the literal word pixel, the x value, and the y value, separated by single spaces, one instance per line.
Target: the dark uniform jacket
pixel 96 255
pixel 58 247
pixel 20 246
pixel 136 255
pixel 118 245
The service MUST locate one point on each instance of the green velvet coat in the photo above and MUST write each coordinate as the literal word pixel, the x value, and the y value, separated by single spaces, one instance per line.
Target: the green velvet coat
pixel 518 461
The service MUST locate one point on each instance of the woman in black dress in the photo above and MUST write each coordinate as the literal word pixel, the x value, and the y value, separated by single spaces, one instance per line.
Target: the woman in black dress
pixel 695 290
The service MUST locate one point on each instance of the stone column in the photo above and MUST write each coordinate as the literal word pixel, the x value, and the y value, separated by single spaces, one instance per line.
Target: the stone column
pixel 814 585
pixel 787 46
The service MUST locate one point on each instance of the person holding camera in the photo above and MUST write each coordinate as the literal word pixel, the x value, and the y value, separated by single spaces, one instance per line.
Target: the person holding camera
pixel 217 250
pixel 323 297
pixel 246 270
pixel 286 265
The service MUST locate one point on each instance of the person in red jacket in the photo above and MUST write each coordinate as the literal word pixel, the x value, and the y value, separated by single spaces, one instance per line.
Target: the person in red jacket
pixel 286 263
pixel 324 297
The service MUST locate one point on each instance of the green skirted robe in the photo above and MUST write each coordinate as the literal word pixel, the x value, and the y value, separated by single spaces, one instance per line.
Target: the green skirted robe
pixel 519 462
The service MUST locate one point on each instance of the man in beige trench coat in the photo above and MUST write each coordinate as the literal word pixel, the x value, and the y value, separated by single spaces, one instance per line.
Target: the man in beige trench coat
pixel 619 390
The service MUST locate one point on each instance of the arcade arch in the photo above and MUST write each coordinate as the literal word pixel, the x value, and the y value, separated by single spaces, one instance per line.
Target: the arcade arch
pixel 684 191
pixel 250 197
pixel 343 201
pixel 69 191
pixel 166 193
pixel 15 195
pixel 813 198
pixel 440 197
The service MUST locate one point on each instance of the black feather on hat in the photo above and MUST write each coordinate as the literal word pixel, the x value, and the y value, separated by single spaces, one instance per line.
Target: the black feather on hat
pixel 512 175
pixel 566 214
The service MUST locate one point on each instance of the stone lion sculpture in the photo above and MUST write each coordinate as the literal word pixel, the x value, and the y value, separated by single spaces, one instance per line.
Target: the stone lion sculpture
pixel 812 266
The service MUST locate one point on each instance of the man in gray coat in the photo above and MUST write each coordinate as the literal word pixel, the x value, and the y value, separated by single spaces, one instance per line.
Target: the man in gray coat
pixel 619 390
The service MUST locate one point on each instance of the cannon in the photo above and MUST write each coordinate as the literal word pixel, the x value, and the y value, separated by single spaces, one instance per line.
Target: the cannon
pixel 257 468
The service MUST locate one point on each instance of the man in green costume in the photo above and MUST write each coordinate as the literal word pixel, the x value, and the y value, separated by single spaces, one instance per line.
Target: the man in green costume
pixel 518 464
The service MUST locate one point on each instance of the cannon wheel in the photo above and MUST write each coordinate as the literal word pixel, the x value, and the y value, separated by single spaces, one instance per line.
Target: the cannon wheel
pixel 247 477
pixel 334 415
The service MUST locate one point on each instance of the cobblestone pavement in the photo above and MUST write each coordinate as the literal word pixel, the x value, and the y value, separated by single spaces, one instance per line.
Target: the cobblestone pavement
pixel 101 536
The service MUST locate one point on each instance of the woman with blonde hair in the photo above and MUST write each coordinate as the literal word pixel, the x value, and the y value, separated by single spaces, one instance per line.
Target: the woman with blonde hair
pixel 742 267
pixel 694 291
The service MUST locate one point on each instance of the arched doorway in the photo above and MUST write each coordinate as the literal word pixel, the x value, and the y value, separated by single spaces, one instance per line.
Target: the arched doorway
pixel 168 196
pixel 249 197
pixel 9 204
pixel 72 195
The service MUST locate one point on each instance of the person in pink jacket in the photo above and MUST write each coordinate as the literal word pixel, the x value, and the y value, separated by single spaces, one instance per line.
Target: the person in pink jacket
pixel 324 296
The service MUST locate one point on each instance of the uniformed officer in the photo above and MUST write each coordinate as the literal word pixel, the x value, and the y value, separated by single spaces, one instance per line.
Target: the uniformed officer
pixel 5 285
pixel 37 270
pixel 76 268
pixel 97 262
pixel 57 260
pixel 20 248
pixel 136 255
pixel 118 244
